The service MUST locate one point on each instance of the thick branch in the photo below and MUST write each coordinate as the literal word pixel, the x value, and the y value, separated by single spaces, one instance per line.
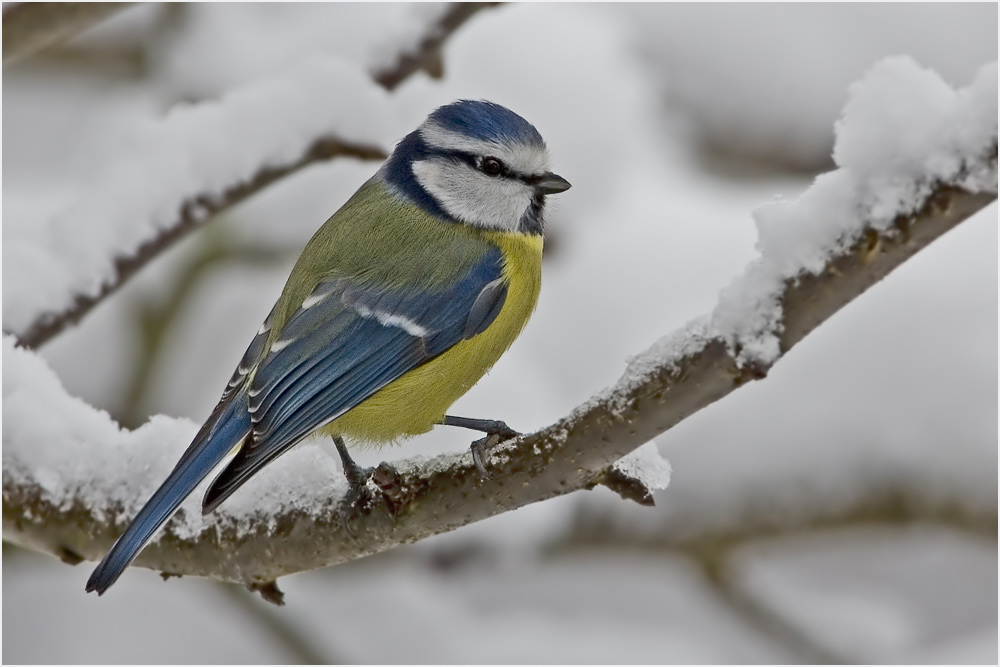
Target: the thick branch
pixel 447 492
pixel 200 207
pixel 30 27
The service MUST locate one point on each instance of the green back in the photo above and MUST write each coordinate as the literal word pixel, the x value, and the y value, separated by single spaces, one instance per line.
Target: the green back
pixel 380 240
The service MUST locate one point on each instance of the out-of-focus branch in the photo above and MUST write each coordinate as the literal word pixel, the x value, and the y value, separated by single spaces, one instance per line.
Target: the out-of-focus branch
pixel 200 207
pixel 427 55
pixel 707 541
pixel 30 27
pixel 282 630
pixel 713 551
pixel 767 622
pixel 711 546
pixel 157 318
pixel 428 498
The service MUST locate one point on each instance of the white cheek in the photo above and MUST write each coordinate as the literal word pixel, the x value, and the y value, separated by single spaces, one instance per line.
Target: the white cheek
pixel 473 197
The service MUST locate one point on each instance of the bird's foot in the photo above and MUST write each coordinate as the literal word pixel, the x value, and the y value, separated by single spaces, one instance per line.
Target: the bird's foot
pixel 369 487
pixel 359 495
pixel 481 449
pixel 496 432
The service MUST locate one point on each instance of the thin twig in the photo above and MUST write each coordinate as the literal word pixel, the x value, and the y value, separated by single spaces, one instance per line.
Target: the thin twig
pixel 282 630
pixel 30 27
pixel 156 318
pixel 701 537
pixel 428 53
pixel 768 622
pixel 194 213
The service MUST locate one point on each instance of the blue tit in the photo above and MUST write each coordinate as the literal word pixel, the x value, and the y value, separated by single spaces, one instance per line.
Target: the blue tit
pixel 397 306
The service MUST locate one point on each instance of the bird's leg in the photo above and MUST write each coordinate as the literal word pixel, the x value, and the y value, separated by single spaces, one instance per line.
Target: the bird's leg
pixel 496 432
pixel 357 477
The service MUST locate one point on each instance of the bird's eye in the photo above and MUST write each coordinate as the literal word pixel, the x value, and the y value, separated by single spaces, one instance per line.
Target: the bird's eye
pixel 491 166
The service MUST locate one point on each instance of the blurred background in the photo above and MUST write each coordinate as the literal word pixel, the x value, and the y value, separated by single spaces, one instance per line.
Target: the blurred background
pixel 843 510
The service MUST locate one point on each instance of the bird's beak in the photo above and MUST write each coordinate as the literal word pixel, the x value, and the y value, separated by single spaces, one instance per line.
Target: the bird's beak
pixel 550 184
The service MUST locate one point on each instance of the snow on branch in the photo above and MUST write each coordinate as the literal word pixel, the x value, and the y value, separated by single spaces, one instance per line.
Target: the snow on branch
pixel 426 53
pixel 179 170
pixel 197 161
pixel 916 158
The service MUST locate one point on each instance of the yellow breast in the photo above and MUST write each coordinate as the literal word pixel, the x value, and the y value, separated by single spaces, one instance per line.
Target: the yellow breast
pixel 416 401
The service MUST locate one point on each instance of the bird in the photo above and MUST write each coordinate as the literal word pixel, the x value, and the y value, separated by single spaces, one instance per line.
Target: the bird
pixel 396 307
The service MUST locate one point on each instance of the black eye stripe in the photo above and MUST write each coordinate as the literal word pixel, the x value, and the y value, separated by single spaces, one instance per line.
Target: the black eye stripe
pixel 475 161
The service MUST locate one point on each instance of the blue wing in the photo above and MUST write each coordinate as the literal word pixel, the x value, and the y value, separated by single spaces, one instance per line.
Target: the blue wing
pixel 348 340
pixel 226 426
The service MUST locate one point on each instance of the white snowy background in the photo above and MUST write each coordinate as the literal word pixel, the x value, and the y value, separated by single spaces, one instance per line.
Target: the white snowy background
pixel 673 123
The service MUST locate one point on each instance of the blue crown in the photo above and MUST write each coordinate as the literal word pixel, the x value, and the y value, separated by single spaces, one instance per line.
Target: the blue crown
pixel 487 121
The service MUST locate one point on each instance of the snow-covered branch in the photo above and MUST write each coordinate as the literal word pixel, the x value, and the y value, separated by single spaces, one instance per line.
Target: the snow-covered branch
pixel 916 159
pixel 197 162
pixel 193 212
pixel 426 54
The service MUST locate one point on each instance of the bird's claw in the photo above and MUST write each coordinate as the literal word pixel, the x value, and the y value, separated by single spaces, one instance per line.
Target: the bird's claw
pixel 482 448
pixel 368 485
pixel 359 496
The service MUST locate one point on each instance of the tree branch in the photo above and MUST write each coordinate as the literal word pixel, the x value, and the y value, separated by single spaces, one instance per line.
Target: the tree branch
pixel 707 542
pixel 768 622
pixel 711 545
pixel 30 27
pixel 282 630
pixel 427 55
pixel 194 213
pixel 200 207
pixel 428 498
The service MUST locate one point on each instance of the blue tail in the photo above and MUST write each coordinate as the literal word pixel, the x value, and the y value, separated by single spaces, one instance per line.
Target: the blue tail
pixel 210 446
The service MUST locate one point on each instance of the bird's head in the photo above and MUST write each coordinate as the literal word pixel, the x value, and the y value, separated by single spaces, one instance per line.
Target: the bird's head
pixel 477 163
